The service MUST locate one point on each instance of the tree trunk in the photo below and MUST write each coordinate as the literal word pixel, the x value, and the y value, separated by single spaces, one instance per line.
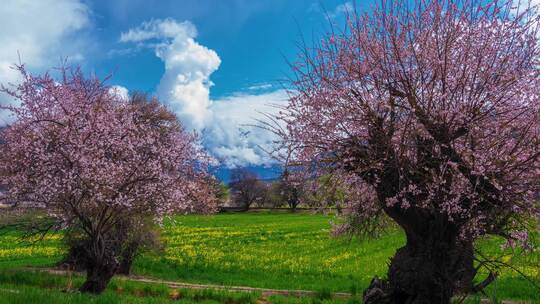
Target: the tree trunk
pixel 293 208
pixel 432 266
pixel 125 265
pixel 101 266
pixel 338 209
pixel 98 276
pixel 128 255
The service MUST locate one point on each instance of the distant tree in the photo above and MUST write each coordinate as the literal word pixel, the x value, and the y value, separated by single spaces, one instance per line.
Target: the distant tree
pixel 291 188
pixel 222 192
pixel 327 190
pixel 98 165
pixel 430 109
pixel 246 188
pixel 274 197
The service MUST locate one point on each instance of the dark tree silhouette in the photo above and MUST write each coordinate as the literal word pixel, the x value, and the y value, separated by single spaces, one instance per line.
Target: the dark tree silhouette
pixel 246 188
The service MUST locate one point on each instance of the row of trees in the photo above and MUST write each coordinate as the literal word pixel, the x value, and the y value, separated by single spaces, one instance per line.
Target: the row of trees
pixel 290 190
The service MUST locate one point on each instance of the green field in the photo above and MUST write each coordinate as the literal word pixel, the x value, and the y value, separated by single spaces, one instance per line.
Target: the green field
pixel 270 250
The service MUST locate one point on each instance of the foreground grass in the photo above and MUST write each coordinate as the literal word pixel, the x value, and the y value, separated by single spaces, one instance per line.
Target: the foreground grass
pixel 282 251
pixel 27 286
pixel 38 287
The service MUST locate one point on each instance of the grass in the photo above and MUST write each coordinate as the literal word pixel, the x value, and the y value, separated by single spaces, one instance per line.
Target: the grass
pixel 283 251
pixel 38 287
pixel 270 250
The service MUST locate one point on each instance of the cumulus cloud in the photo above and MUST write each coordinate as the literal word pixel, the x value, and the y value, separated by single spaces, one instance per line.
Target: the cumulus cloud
pixel 233 135
pixel 38 32
pixel 159 28
pixel 344 8
pixel 185 88
pixel 340 10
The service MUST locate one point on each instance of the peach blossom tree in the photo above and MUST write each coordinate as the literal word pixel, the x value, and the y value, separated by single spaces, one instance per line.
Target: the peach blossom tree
pixel 95 162
pixel 430 109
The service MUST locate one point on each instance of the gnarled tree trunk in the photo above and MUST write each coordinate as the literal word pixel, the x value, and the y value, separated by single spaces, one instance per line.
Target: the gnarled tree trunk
pixel 98 275
pixel 101 264
pixel 433 265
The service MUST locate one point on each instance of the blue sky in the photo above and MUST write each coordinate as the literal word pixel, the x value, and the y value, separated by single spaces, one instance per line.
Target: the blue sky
pixel 216 63
pixel 251 38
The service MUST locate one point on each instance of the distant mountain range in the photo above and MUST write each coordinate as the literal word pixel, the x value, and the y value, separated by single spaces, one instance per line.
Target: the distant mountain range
pixel 264 172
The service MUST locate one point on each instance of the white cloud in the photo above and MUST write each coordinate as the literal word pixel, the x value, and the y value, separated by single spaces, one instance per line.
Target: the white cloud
pixel 40 32
pixel 121 52
pixel 260 87
pixel 342 9
pixel 120 91
pixel 185 88
pixel 158 29
pixel 232 137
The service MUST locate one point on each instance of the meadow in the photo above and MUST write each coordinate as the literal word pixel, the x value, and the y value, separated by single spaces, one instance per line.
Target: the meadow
pixel 268 250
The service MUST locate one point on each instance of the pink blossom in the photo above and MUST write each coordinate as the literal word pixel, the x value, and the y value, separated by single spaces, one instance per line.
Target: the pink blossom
pixel 436 112
pixel 84 154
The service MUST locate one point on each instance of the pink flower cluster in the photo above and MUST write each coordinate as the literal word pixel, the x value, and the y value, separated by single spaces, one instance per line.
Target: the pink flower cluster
pixel 79 151
pixel 433 106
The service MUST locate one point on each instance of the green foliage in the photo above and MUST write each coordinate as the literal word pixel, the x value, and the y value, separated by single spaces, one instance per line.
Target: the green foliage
pixel 223 192
pixel 330 192
pixel 273 195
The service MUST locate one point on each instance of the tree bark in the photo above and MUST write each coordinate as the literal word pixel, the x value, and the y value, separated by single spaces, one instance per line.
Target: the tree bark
pixel 125 265
pixel 98 276
pixel 101 265
pixel 433 265
pixel 128 256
